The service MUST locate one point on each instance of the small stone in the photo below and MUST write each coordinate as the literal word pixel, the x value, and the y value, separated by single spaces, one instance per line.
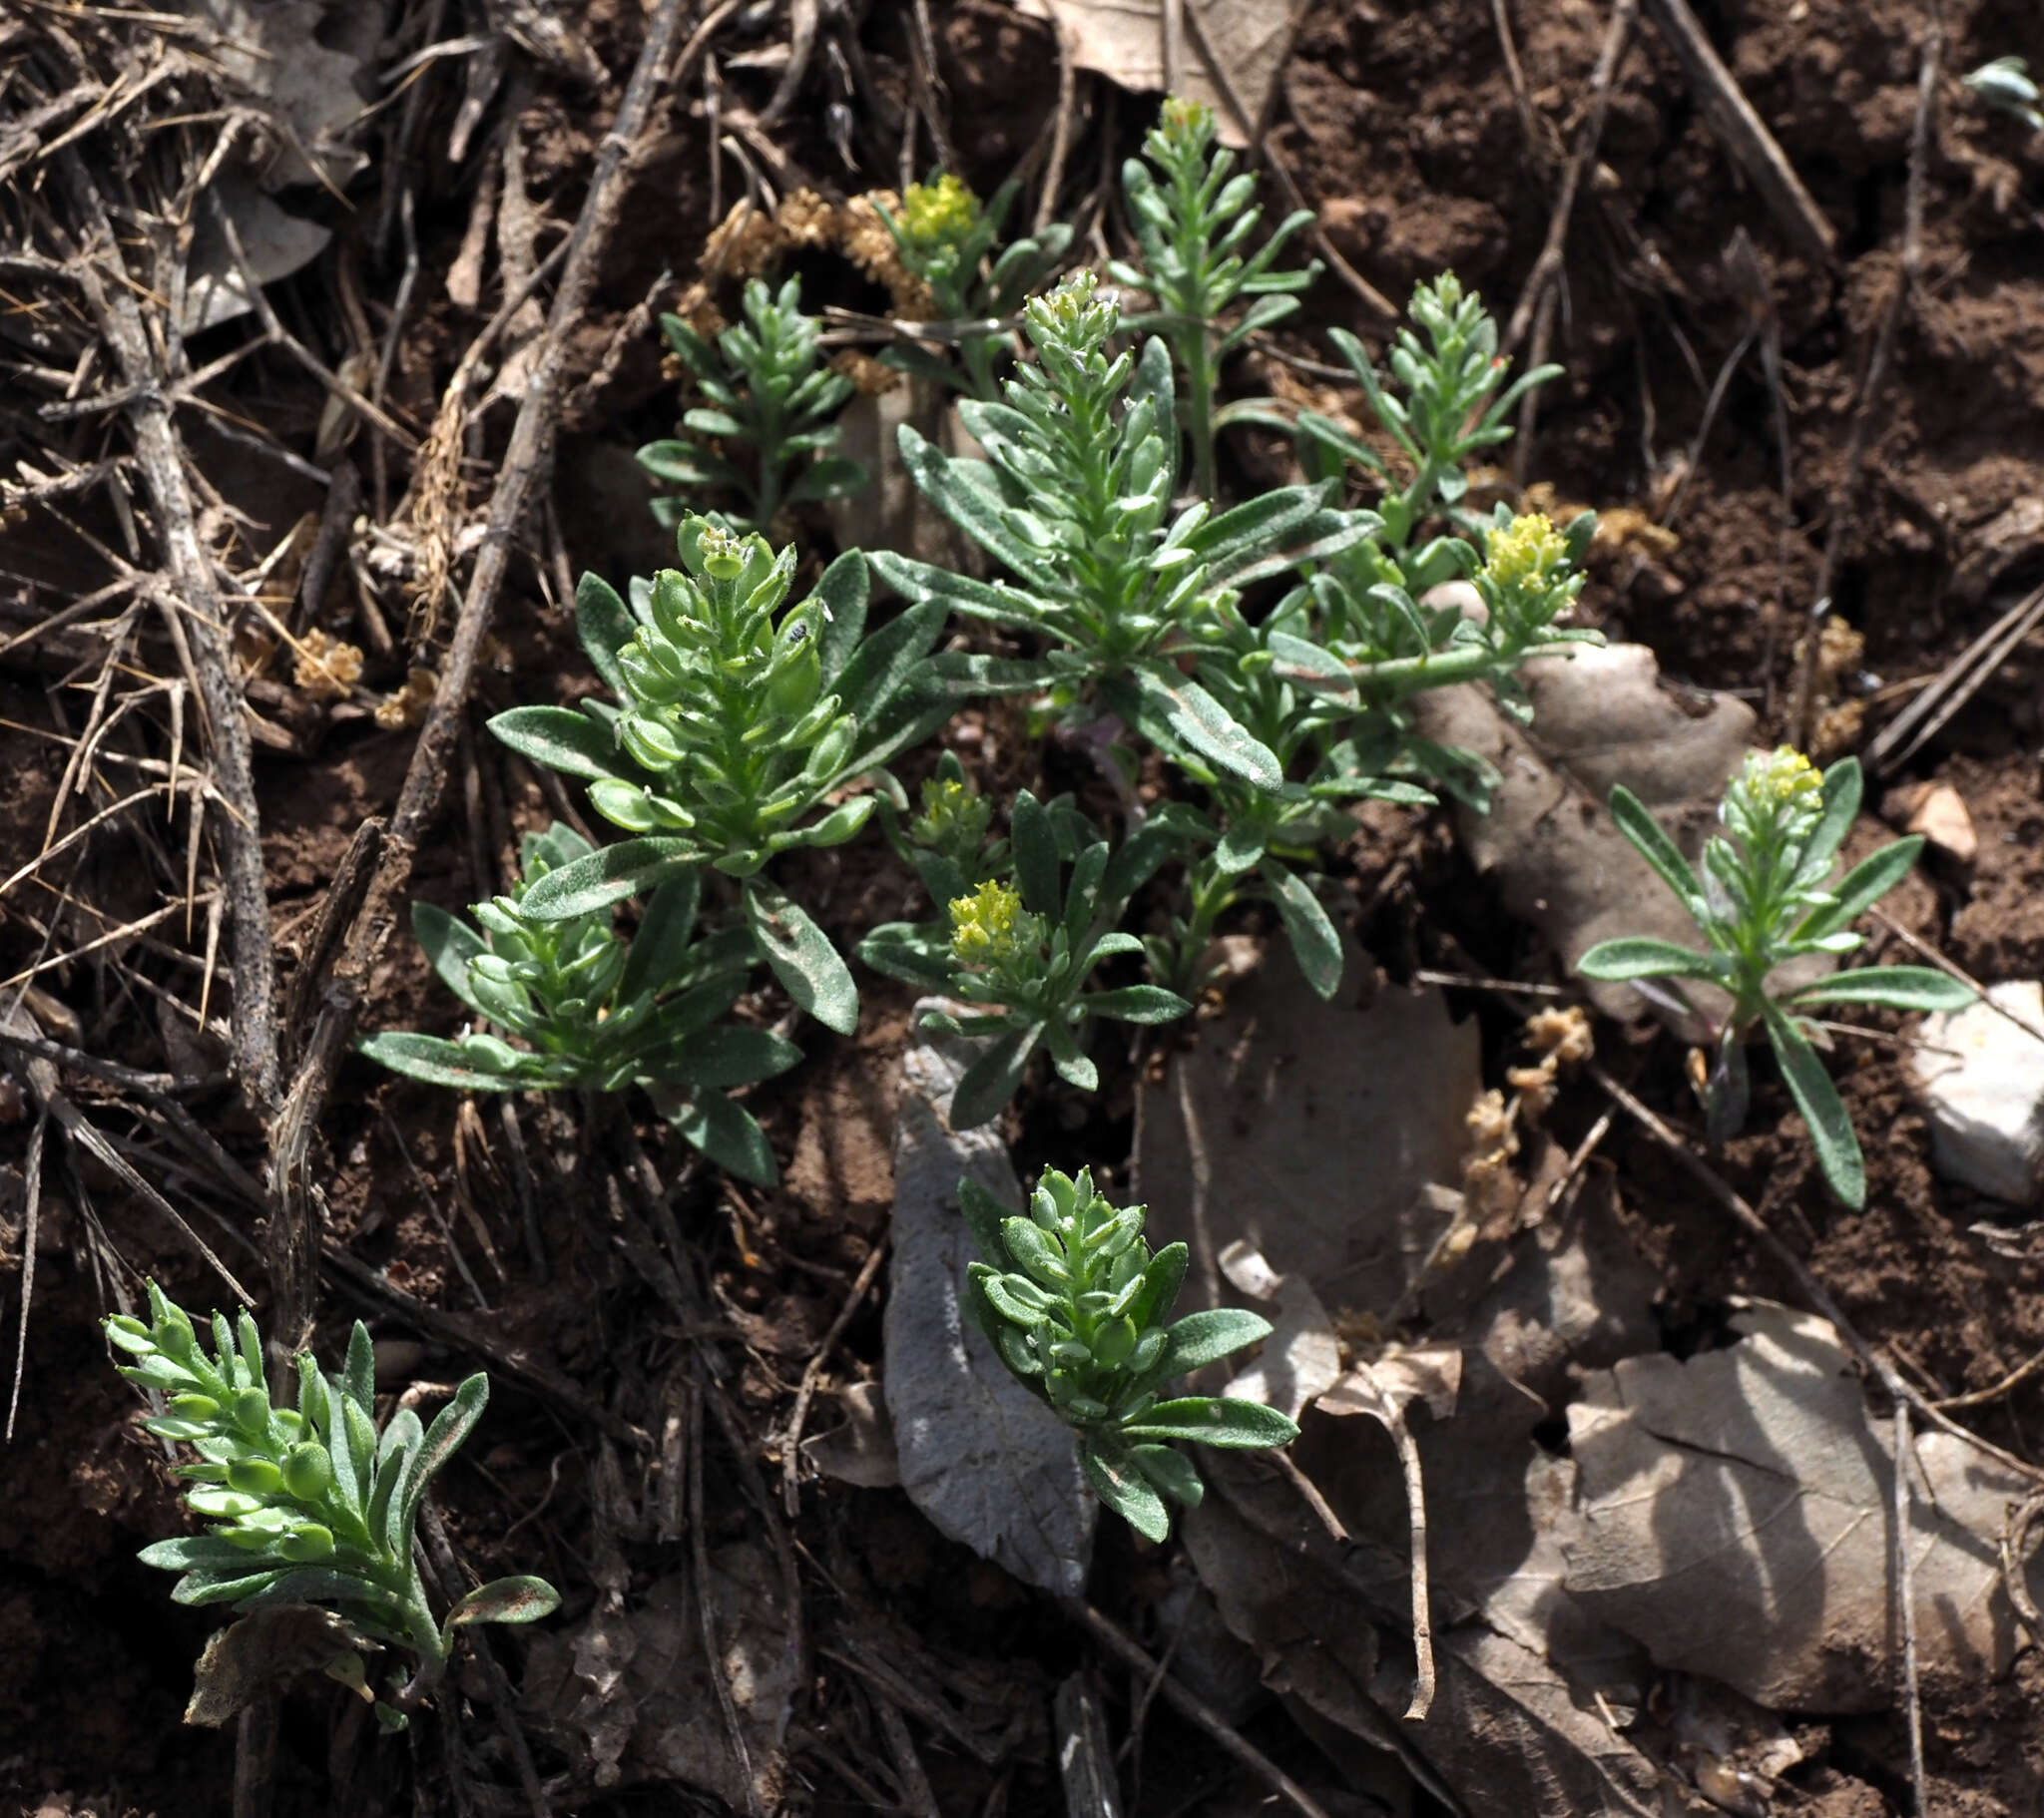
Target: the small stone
pixel 1985 1094
pixel 1939 814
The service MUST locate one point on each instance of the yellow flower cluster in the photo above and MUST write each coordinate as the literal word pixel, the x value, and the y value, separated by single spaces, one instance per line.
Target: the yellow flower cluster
pixel 1526 554
pixel 1186 122
pixel 950 807
pixel 939 213
pixel 1780 778
pixel 990 927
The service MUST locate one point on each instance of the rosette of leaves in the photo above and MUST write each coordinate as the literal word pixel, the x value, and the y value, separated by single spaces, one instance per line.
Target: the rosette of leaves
pixel 1078 1308
pixel 598 1012
pixel 1023 953
pixel 308 1504
pixel 1194 227
pixel 736 729
pixel 946 236
pixel 1074 500
pixel 769 420
pixel 1765 898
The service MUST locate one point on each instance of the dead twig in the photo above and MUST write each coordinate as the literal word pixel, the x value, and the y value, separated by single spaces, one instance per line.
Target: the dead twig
pixel 1905 1597
pixel 1955 684
pixel 812 1374
pixel 1741 133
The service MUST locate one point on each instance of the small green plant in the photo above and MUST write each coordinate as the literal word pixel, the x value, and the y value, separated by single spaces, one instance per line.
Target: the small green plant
pixel 1193 227
pixel 1765 899
pixel 1078 1307
pixel 946 236
pixel 1074 499
pixel 766 392
pixel 1024 953
pixel 598 1012
pixel 308 1505
pixel 737 734
pixel 2004 84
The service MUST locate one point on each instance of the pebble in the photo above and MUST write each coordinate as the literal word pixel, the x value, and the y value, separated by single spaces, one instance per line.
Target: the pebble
pixel 1985 1100
pixel 1939 814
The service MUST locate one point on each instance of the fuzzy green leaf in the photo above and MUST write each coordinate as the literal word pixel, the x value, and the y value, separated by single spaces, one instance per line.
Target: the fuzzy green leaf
pixel 1638 956
pixel 1215 1421
pixel 1830 1125
pixel 1897 987
pixel 810 969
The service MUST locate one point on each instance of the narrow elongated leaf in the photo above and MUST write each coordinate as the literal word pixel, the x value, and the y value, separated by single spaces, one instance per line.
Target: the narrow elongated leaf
pixel 1195 719
pixel 885 661
pixel 1316 943
pixel 609 875
pixel 810 969
pixel 1831 1126
pixel 564 741
pixel 992 1080
pixel 1207 1337
pixel 902 950
pixel 1842 789
pixel 1860 888
pixel 450 943
pixel 1171 1472
pixel 1653 845
pixel 519 1600
pixel 1146 1005
pixel 1036 856
pixel 437 1063
pixel 984 1215
pixel 842 589
pixel 197 1589
pixel 723 1058
pixel 359 1373
pixel 198 1552
pixel 919 582
pixel 660 950
pixel 1215 1421
pixel 1119 1483
pixel 1897 986
pixel 1310 666
pixel 730 1135
pixel 1638 956
pixel 969 493
pixel 605 624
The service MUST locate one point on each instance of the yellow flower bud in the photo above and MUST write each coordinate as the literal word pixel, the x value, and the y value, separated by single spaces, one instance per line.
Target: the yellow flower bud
pixel 990 927
pixel 939 213
pixel 1527 554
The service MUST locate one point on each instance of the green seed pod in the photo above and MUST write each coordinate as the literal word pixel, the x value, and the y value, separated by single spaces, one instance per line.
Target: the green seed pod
pixel 195 1406
pixel 306 1543
pixel 255 1477
pixel 308 1471
pixel 249 1411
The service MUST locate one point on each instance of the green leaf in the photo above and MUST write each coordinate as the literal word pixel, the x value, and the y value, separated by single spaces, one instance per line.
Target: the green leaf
pixel 199 1588
pixel 984 1215
pixel 1843 788
pixel 730 1135
pixel 518 1600
pixel 1034 848
pixel 967 493
pixel 199 1552
pixel 1653 844
pixel 1638 956
pixel 843 589
pixel 605 624
pixel 1162 1280
pixel 450 943
pixel 1121 1484
pixel 608 875
pixel 993 1078
pixel 1215 1421
pixel 810 969
pixel 359 1373
pixel 1897 986
pixel 1172 1472
pixel 660 950
pixel 888 659
pixel 1316 943
pixel 562 739
pixel 1831 1126
pixel 437 1063
pixel 722 1058
pixel 1146 1005
pixel 1204 727
pixel 1860 888
pixel 451 1426
pixel 910 952
pixel 1206 1337
pixel 921 583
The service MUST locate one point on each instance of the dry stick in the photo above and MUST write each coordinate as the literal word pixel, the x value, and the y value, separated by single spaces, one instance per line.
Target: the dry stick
pixel 1740 131
pixel 1547 267
pixel 1955 684
pixel 814 1372
pixel 1061 133
pixel 2014 1544
pixel 1905 1595
pixel 1952 969
pixel 1980 1398
pixel 526 460
pixel 705 1617
pixel 1196 1709
pixel 32 1192
pixel 162 466
pixel 1803 720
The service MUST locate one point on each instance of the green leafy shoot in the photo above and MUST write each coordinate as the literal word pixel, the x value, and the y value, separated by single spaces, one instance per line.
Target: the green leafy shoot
pixel 2004 84
pixel 1022 954
pixel 738 730
pixel 1074 499
pixel 1079 1310
pixel 1766 897
pixel 1193 227
pixel 597 1012
pixel 307 1503
pixel 765 432
pixel 947 237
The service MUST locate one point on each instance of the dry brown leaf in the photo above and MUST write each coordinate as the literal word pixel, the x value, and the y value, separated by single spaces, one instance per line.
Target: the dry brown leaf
pixel 1123 40
pixel 1309 1130
pixel 1300 1358
pixel 1736 1519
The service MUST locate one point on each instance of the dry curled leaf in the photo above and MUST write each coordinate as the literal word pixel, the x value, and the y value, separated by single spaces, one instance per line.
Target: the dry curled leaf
pixel 324 667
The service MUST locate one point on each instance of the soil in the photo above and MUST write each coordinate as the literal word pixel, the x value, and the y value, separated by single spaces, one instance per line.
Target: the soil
pixel 1401 124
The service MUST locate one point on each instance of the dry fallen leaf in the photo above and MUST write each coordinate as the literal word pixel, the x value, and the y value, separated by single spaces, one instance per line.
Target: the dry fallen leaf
pixel 1736 1519
pixel 987 1462
pixel 1123 40
pixel 1307 1131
